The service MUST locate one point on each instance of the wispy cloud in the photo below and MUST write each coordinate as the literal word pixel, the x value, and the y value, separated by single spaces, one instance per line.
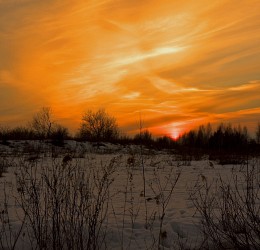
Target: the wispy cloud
pixel 175 62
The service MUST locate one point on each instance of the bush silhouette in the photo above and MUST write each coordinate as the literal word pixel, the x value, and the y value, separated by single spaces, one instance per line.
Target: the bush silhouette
pixel 42 123
pixel 98 126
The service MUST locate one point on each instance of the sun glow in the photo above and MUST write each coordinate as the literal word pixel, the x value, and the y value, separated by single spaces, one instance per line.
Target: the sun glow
pixel 175 135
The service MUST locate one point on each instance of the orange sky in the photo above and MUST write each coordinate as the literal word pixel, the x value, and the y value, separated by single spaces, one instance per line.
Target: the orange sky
pixel 177 63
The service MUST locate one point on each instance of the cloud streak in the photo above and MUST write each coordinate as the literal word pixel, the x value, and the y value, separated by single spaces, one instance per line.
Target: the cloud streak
pixel 177 62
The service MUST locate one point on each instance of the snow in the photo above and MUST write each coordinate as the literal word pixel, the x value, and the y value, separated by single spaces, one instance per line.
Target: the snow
pixel 132 220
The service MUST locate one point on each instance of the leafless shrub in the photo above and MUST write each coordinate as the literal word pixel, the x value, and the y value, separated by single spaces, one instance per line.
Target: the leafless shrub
pixel 65 206
pixel 58 135
pixel 4 130
pixel 98 126
pixel 148 208
pixel 257 133
pixel 8 235
pixel 4 164
pixel 42 122
pixel 230 209
pixel 32 148
pixel 162 187
pixel 183 159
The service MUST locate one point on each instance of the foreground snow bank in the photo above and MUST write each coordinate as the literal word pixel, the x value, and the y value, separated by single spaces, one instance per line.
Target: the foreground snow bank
pixel 109 197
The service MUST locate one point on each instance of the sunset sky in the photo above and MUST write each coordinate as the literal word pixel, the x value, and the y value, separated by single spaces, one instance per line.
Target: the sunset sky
pixel 175 63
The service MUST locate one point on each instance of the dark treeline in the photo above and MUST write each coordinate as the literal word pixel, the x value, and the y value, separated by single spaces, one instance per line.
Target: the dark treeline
pixel 41 127
pixel 99 126
pixel 24 133
pixel 225 137
pixel 227 143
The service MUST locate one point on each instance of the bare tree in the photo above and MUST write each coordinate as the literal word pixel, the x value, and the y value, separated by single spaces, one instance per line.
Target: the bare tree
pixel 144 137
pixel 42 122
pixel 58 134
pixel 230 209
pixel 4 131
pixel 258 133
pixel 98 126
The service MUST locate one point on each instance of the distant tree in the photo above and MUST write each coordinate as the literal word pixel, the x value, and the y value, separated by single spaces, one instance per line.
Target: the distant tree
pixel 4 131
pixel 245 136
pixel 21 133
pixel 258 133
pixel 42 123
pixel 58 134
pixel 189 138
pixel 165 142
pixel 208 131
pixel 216 141
pixel 225 137
pixel 201 136
pixel 98 126
pixel 144 137
pixel 125 139
pixel 231 138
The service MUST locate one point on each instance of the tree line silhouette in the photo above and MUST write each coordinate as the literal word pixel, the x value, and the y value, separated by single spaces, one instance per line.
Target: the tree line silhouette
pixel 99 126
pixel 227 143
pixel 225 137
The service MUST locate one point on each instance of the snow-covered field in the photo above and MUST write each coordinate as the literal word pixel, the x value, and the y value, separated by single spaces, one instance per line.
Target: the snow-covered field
pixel 147 196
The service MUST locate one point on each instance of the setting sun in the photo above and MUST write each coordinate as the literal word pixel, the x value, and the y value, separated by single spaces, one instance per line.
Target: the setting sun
pixel 175 135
